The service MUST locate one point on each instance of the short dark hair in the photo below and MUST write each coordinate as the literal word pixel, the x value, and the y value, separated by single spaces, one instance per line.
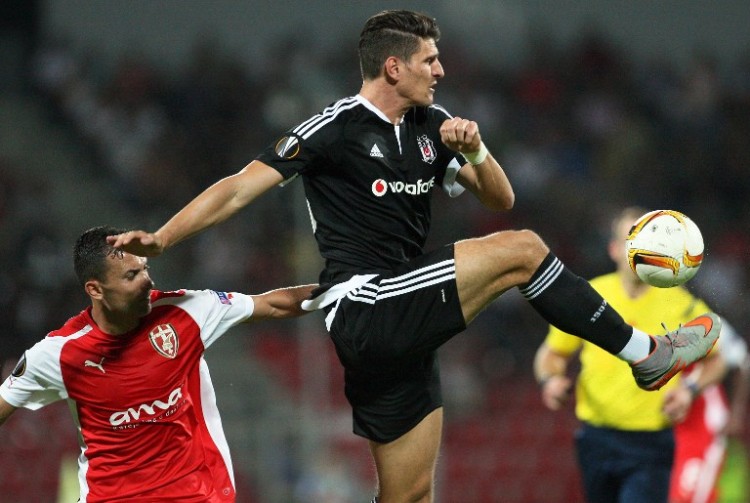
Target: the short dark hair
pixel 392 33
pixel 90 253
pixel 630 214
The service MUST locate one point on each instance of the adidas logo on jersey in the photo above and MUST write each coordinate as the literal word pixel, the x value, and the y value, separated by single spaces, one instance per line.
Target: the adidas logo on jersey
pixel 375 151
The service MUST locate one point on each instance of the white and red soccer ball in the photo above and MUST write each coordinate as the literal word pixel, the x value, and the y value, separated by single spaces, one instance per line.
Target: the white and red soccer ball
pixel 665 248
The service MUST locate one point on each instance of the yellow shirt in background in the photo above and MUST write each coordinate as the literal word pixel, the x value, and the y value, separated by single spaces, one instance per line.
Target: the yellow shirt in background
pixel 606 393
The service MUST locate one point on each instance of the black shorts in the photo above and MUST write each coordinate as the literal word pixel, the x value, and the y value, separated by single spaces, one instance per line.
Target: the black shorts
pixel 386 334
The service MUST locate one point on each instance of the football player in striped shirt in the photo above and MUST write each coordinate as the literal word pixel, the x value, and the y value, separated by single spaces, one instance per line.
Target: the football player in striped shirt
pixel 369 164
pixel 131 367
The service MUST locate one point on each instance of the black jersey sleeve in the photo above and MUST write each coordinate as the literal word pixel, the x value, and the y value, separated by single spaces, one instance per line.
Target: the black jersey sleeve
pixel 292 155
pixel 309 144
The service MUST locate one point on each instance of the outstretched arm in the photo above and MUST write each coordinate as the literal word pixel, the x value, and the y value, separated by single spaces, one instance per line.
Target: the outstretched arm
pixel 214 205
pixel 281 303
pixel 482 175
pixel 677 401
pixel 6 410
pixel 549 369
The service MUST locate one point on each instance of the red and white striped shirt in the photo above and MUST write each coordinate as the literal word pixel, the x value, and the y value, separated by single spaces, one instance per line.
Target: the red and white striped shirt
pixel 149 427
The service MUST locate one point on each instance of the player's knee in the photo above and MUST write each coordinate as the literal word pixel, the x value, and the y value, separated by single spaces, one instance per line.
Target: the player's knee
pixel 419 491
pixel 422 491
pixel 523 251
pixel 530 241
pixel 524 246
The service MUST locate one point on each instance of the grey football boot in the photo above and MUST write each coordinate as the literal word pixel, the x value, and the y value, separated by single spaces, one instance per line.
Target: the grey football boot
pixel 676 350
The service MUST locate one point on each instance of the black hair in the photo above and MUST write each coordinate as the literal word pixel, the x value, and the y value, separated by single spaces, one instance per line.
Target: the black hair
pixel 392 33
pixel 90 253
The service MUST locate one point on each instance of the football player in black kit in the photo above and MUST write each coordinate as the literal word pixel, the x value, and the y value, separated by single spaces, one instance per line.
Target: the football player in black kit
pixel 369 164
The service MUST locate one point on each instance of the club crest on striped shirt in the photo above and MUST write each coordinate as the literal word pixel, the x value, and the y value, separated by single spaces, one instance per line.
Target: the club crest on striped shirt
pixel 165 341
pixel 427 149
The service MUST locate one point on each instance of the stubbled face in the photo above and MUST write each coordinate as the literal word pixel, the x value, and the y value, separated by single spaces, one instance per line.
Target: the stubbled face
pixel 421 73
pixel 126 291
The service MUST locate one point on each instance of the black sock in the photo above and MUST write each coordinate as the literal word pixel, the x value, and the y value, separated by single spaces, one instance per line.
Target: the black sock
pixel 570 303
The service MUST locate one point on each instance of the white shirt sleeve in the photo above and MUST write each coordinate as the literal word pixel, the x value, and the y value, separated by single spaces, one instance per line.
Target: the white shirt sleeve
pixel 214 312
pixel 37 380
pixel 450 185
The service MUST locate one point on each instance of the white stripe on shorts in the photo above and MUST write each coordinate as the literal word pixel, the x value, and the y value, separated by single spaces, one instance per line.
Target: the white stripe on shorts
pixel 430 275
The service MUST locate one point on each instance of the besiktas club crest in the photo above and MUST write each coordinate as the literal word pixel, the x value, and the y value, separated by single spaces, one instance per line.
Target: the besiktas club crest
pixel 427 149
pixel 165 341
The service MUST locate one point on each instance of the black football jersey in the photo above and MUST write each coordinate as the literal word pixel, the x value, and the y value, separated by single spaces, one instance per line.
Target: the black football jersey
pixel 368 183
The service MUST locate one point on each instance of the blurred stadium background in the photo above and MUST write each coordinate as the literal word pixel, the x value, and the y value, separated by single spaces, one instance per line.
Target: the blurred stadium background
pixel 119 112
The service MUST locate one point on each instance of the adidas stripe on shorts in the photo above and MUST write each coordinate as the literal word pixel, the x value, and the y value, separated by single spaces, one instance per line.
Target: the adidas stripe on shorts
pixel 386 333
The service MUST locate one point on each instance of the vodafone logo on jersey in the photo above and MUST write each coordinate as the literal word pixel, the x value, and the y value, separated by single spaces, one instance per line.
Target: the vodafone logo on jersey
pixel 148 412
pixel 380 187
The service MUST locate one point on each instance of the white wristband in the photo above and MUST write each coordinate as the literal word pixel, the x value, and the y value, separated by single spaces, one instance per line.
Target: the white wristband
pixel 477 157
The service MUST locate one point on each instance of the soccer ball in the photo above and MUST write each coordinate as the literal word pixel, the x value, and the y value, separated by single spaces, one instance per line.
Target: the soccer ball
pixel 665 248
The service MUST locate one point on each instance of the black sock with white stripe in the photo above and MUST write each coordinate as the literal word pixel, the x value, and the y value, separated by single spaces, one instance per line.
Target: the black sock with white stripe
pixel 568 302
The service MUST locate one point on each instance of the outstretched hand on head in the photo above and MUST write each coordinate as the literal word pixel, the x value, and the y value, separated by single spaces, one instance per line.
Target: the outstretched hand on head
pixel 141 243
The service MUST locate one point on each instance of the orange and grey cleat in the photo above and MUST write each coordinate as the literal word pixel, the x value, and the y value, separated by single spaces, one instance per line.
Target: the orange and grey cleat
pixel 676 350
